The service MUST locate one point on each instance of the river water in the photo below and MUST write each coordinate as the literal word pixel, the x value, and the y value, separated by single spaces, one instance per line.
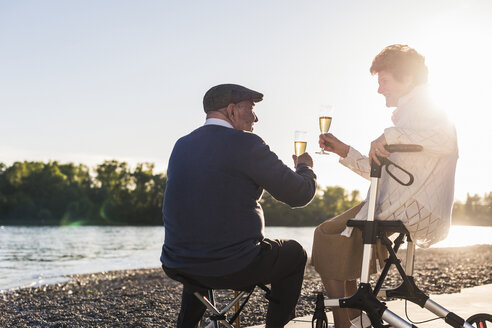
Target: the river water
pixel 33 256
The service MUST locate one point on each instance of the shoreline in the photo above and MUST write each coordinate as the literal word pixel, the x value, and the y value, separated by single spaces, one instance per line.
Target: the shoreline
pixel 147 298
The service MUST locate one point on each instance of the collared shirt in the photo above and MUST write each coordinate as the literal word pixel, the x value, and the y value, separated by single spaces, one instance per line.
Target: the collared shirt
pixel 425 206
pixel 218 121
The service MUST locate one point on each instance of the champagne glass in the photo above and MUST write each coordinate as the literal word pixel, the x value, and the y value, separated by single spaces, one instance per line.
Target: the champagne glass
pixel 300 142
pixel 325 116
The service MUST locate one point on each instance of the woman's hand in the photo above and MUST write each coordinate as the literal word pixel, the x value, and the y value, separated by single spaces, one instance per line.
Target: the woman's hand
pixel 329 142
pixel 377 149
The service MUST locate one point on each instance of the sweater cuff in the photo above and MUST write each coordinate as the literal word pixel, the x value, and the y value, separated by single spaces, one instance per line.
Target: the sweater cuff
pixel 352 156
pixel 303 168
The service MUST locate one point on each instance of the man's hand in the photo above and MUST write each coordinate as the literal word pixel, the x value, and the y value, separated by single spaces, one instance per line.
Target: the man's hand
pixel 329 142
pixel 304 158
pixel 377 149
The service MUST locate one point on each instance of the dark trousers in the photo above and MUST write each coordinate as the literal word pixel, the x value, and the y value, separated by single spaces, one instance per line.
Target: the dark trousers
pixel 280 263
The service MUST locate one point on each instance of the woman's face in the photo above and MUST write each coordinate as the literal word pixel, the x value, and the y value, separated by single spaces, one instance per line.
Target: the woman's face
pixel 393 89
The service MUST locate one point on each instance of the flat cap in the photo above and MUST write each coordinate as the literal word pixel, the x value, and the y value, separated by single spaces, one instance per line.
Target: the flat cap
pixel 222 95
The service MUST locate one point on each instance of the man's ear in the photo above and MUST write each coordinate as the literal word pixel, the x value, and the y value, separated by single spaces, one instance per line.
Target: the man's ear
pixel 230 110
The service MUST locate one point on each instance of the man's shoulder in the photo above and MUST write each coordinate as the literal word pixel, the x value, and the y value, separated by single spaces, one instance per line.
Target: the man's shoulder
pixel 207 132
pixel 240 135
pixel 250 137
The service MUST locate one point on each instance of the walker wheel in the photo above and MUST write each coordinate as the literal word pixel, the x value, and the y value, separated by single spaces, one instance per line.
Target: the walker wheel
pixel 480 320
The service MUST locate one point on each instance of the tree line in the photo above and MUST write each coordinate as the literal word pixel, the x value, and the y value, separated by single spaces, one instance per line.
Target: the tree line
pixel 475 210
pixel 38 193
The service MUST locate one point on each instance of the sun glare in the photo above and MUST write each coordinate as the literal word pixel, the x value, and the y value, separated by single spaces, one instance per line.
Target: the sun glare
pixel 462 95
pixel 458 55
pixel 461 236
pixel 459 69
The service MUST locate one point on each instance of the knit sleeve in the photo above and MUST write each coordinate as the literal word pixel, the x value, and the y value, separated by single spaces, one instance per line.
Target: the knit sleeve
pixel 295 188
pixel 357 163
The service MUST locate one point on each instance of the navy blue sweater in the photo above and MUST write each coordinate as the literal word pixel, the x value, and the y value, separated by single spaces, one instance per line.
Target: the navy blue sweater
pixel 215 178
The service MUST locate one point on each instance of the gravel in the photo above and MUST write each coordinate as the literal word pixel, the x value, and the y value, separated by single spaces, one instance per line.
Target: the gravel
pixel 147 298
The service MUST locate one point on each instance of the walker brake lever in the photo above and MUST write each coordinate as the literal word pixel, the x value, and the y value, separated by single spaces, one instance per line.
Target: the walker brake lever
pixel 386 162
pixel 393 148
pixel 402 148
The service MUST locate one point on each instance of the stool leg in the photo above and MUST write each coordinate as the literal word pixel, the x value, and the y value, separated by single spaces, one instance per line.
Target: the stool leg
pixel 212 301
pixel 238 319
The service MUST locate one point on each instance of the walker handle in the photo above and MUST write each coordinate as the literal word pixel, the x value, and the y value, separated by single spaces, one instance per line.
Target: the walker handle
pixel 403 148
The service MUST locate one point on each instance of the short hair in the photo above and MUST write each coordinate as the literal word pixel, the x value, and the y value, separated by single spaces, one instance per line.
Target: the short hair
pixel 401 60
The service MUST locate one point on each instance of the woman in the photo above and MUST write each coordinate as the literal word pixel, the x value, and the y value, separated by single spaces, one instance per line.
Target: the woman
pixel 424 207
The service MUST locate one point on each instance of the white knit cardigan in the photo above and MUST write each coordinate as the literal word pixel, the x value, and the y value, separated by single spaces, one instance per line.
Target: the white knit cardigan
pixel 416 121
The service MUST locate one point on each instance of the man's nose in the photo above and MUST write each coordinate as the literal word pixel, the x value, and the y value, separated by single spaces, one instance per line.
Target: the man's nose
pixel 256 118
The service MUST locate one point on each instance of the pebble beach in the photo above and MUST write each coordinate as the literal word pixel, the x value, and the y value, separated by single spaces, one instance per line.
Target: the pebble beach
pixel 147 298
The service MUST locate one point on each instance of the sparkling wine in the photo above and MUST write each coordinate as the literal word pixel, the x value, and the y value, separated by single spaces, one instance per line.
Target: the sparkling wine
pixel 300 147
pixel 324 123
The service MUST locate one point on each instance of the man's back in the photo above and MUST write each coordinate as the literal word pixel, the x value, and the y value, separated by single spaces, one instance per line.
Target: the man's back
pixel 213 221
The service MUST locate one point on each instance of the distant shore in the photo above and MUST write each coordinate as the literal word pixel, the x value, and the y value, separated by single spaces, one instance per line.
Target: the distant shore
pixel 147 298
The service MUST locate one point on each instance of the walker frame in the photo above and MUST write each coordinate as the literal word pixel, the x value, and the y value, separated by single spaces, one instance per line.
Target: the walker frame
pixel 368 299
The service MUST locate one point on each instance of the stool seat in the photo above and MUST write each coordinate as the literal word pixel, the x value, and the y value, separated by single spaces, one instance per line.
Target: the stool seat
pixel 193 286
pixel 205 294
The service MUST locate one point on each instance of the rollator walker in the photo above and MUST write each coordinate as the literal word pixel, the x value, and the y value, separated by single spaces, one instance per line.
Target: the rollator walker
pixel 368 299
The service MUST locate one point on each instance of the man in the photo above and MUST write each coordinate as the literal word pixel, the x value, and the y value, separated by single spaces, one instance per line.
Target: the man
pixel 212 217
pixel 424 207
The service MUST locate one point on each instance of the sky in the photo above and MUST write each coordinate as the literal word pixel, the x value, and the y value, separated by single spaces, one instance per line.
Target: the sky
pixel 88 81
